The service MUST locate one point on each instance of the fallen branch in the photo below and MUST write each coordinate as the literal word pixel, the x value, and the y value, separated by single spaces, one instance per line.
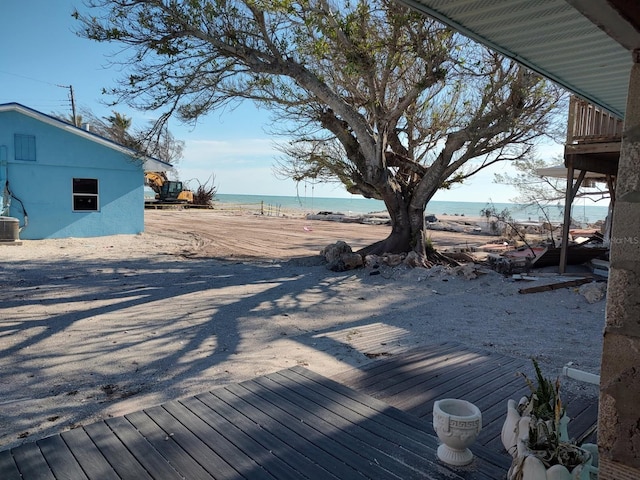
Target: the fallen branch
pixel 556 286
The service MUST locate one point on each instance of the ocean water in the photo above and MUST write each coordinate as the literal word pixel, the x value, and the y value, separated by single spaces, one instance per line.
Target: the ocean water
pixel 358 205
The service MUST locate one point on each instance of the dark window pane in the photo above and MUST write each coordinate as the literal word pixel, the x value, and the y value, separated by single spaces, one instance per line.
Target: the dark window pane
pixel 85 202
pixel 85 185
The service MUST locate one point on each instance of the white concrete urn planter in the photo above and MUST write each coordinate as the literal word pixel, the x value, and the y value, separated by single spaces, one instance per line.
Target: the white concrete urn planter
pixel 457 424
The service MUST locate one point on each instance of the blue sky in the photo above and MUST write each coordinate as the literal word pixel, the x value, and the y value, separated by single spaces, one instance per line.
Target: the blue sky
pixel 41 57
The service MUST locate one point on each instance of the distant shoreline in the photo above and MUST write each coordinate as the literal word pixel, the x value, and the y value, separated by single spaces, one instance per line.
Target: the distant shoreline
pixel 356 205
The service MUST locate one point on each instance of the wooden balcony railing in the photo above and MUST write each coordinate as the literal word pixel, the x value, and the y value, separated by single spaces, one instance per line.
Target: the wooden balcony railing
pixel 590 124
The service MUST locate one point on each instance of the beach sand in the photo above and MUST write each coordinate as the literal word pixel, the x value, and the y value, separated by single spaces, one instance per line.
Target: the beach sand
pixel 98 327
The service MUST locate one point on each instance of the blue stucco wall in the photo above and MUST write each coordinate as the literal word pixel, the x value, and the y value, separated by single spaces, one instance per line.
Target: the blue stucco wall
pixel 45 186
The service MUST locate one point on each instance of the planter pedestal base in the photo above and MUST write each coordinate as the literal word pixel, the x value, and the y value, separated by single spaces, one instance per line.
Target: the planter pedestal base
pixel 457 458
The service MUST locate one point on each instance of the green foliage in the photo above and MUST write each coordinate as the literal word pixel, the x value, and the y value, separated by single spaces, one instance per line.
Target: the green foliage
pixel 544 401
pixel 429 247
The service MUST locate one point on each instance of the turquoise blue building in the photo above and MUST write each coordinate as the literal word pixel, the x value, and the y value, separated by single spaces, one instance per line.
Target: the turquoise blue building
pixel 62 181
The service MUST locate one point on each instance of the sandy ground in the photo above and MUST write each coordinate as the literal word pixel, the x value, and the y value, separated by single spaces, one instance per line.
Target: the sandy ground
pixel 97 327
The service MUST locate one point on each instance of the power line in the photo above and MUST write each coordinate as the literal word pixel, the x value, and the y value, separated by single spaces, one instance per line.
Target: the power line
pixel 70 87
pixel 28 78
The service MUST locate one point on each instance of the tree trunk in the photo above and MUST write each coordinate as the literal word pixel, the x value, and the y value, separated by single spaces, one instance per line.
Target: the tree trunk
pixel 407 229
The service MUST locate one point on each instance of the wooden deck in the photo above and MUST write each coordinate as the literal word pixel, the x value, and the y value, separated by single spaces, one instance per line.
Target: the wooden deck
pixel 296 424
pixel 413 381
pixel 292 424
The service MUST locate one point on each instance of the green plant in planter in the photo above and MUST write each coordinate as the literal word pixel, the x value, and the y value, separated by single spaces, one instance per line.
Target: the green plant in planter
pixel 545 402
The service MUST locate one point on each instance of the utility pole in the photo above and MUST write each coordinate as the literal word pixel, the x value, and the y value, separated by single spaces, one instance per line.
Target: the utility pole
pixel 73 106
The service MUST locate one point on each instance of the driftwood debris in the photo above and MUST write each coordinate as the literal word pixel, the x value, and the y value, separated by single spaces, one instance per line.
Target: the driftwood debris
pixel 555 286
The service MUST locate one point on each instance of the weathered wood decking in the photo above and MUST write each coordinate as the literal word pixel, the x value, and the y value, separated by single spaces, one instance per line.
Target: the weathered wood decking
pixel 298 424
pixel 413 381
pixel 291 424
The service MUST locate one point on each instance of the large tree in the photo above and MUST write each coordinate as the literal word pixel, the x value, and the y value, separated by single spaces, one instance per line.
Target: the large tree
pixel 392 104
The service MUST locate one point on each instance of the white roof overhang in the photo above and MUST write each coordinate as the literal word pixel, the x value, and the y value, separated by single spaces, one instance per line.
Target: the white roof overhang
pixel 560 171
pixel 584 46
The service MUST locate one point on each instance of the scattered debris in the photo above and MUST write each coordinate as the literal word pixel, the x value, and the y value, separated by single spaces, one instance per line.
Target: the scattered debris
pixel 470 271
pixel 413 260
pixel 556 286
pixel 519 277
pixel 594 291
pixel 376 218
pixel 341 258
pixel 600 267
pixel 509 265
pixel 109 389
pixel 377 355
pixel 576 255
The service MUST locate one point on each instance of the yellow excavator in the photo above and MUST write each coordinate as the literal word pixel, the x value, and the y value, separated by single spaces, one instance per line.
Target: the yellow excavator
pixel 167 191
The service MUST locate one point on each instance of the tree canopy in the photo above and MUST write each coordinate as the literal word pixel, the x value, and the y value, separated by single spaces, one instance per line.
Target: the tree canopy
pixel 118 127
pixel 392 104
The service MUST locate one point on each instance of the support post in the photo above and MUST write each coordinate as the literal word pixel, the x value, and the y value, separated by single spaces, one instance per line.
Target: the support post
pixel 567 218
pixel 618 415
pixel 572 191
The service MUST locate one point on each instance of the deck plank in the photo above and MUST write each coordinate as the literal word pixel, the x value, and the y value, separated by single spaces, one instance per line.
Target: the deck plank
pixel 582 423
pixel 363 427
pixel 288 439
pixel 31 463
pixel 145 454
pixel 282 451
pixel 162 442
pixel 60 459
pixel 190 443
pixel 465 381
pixel 88 455
pixel 122 461
pixel 8 466
pixel 377 371
pixel 241 463
pixel 260 453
